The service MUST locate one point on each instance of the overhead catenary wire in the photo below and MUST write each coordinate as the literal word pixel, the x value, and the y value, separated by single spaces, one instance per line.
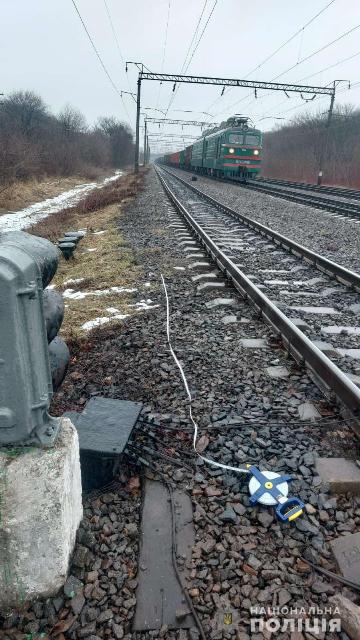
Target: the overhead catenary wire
pixel 201 35
pixel 269 57
pixel 316 73
pixel 194 35
pixel 314 53
pixel 164 48
pixel 305 59
pixel 119 52
pixel 193 52
pixel 308 57
pixel 118 91
pixel 113 30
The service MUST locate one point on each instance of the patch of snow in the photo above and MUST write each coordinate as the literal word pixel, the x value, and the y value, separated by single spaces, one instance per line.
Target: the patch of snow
pixel 72 281
pixel 121 290
pixel 179 268
pixel 90 250
pixel 104 320
pixel 51 286
pixel 144 305
pixel 95 323
pixel 79 295
pixel 147 284
pixel 22 219
pixel 73 295
pixel 98 233
pixel 112 310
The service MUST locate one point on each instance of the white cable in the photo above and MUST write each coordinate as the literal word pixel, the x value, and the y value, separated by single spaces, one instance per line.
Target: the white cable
pixel 178 364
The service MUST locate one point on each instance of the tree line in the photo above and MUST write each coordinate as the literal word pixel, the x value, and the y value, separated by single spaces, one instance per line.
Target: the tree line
pixel 34 142
pixel 293 151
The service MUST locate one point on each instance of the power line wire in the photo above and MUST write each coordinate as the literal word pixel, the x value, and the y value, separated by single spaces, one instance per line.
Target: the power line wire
pixel 119 51
pixel 98 54
pixel 331 66
pixel 301 30
pixel 194 50
pixel 194 35
pixel 201 35
pixel 113 30
pixel 164 50
pixel 311 55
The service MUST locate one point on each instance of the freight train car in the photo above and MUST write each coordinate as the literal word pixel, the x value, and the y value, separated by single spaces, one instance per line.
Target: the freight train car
pixel 232 152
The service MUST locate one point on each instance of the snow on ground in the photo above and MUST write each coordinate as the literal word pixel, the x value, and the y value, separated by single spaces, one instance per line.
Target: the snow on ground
pixel 72 281
pixel 79 295
pixel 35 212
pixel 99 321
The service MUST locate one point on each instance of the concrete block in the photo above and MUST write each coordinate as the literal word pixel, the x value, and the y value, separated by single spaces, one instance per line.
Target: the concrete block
pixel 351 353
pixel 319 310
pixel 300 323
pixel 204 276
pixel 253 343
pixel 307 411
pixel 40 511
pixel 219 302
pixel 342 475
pixel 349 614
pixel 277 372
pixel 326 347
pixel 201 266
pixel 208 286
pixel 195 256
pixel 354 308
pixel 346 550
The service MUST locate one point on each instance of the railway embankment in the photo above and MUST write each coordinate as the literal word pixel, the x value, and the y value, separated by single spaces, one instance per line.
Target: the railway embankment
pixel 251 403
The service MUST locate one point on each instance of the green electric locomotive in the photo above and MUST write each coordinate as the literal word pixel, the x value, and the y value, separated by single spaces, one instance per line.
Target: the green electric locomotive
pixel 232 151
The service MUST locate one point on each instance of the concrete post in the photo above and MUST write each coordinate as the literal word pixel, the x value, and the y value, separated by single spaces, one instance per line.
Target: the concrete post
pixel 40 511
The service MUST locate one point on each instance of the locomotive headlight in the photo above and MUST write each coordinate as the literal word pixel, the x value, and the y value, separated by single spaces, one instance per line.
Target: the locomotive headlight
pixel 256 152
pixel 231 150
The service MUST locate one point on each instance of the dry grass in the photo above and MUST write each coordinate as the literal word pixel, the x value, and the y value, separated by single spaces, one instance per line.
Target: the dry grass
pixel 110 262
pixel 120 190
pixel 22 194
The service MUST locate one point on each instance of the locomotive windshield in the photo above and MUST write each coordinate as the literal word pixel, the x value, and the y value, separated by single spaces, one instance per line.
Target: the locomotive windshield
pixel 236 138
pixel 252 140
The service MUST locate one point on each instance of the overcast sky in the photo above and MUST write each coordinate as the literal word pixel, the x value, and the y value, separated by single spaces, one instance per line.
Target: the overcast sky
pixel 45 49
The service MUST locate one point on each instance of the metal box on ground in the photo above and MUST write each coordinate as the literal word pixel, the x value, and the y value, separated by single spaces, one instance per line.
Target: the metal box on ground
pixel 104 428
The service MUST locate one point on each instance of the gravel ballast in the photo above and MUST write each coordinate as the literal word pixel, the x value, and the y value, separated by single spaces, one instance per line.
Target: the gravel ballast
pixel 243 557
pixel 337 239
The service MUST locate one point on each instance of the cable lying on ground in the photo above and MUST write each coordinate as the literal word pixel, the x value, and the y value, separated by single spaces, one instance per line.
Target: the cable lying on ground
pixel 266 487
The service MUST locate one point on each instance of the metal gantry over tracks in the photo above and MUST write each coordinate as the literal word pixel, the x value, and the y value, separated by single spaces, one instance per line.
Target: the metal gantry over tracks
pixel 146 74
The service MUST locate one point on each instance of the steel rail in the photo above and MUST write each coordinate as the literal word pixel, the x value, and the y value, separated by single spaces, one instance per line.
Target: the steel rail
pixel 342 192
pixel 295 340
pixel 350 278
pixel 344 208
pixel 259 184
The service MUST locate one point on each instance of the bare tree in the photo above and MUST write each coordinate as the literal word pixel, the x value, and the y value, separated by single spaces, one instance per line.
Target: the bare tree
pixel 34 142
pixel 293 151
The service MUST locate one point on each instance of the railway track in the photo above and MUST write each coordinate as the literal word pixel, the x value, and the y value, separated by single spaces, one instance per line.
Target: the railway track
pixel 321 189
pixel 314 313
pixel 300 195
pixel 333 199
